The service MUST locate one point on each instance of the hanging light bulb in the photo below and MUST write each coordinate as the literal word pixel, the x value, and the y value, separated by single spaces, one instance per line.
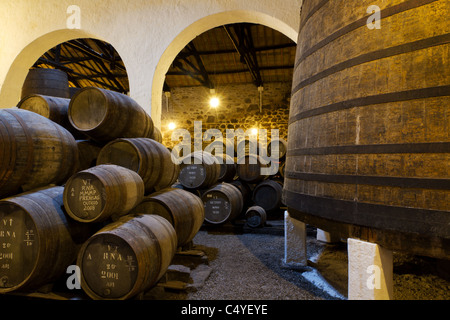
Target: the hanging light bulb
pixel 214 102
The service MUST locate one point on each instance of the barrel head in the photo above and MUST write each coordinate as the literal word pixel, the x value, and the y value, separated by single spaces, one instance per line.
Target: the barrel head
pixel 19 244
pixel 109 267
pixel 217 207
pixel 85 197
pixel 87 109
pixel 192 175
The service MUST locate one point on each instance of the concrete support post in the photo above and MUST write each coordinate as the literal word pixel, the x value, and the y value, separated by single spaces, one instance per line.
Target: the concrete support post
pixel 370 271
pixel 294 242
pixel 326 237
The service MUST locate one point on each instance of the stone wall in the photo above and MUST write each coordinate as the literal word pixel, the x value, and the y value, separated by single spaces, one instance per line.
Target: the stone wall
pixel 239 109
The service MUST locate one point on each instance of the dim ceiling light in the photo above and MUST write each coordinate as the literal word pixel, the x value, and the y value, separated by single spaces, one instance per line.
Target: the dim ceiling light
pixel 214 102
pixel 172 126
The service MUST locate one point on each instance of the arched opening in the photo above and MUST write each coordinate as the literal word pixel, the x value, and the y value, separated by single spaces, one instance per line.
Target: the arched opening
pixel 87 60
pixel 199 27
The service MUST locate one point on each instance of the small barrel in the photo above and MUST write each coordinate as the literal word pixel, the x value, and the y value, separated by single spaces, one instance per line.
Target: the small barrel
pixel 256 217
pixel 88 151
pixel 105 115
pixel 227 168
pixel 49 82
pixel 249 168
pixel 147 157
pixel 268 194
pixel 104 191
pixel 38 241
pixel 183 209
pixel 35 152
pixel 282 149
pixel 222 203
pixel 199 170
pixel 126 257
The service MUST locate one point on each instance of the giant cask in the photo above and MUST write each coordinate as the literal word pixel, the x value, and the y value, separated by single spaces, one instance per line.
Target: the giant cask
pixel 369 139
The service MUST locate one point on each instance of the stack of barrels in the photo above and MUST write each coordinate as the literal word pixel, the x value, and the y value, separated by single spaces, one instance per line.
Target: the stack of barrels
pixel 235 188
pixel 104 203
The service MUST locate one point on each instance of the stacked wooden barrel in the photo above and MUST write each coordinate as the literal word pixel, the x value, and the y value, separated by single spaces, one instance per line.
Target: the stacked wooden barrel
pixel 56 194
pixel 368 139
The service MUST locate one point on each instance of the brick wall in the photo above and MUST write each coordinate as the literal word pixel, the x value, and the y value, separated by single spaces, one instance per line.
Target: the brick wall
pixel 239 109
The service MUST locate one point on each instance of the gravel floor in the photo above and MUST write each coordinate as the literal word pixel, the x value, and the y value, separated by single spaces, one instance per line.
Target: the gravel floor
pixel 249 266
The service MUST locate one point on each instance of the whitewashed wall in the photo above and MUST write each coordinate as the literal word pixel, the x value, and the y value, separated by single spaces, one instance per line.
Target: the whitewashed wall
pixel 147 34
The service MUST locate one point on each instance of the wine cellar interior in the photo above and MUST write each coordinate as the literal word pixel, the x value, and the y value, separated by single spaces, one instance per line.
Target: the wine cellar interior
pixel 225 151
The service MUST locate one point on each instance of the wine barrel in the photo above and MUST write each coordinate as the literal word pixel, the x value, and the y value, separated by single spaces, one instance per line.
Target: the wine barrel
pixel 156 135
pixel 49 82
pixel 183 209
pixel 101 192
pixel 53 108
pixel 199 170
pixel 147 157
pixel 268 194
pixel 227 168
pixel 256 217
pixel 249 167
pixel 245 189
pixel 38 241
pixel 88 151
pixel 370 158
pixel 105 115
pixel 222 203
pixel 35 152
pixel 126 257
pixel 282 149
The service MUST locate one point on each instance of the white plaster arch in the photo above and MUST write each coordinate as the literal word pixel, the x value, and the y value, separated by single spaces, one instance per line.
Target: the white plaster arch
pixel 201 26
pixel 10 91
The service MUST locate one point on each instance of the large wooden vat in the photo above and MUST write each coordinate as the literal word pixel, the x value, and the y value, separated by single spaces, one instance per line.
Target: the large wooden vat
pixel 369 130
